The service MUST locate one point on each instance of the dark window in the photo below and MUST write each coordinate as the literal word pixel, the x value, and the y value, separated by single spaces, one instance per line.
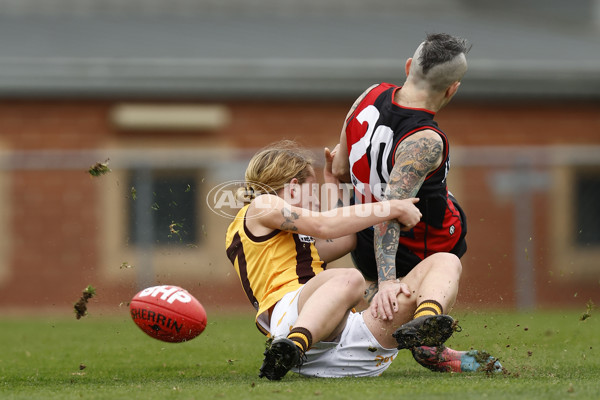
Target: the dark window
pixel 163 207
pixel 587 208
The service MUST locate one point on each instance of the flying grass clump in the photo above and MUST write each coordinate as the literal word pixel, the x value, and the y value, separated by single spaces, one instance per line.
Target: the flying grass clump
pixel 125 265
pixel 81 305
pixel 99 169
pixel 588 312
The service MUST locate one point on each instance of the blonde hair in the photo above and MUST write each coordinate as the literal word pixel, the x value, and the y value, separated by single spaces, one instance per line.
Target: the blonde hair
pixel 271 168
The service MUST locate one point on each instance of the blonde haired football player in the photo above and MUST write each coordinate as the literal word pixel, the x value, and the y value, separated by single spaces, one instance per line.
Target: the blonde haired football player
pixel 279 245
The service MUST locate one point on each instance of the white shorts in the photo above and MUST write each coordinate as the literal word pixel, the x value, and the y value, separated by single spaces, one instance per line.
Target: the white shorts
pixel 355 353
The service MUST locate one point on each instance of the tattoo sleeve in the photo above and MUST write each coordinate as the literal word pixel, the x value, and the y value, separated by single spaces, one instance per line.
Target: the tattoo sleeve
pixel 416 158
pixel 289 217
pixel 370 292
pixel 386 245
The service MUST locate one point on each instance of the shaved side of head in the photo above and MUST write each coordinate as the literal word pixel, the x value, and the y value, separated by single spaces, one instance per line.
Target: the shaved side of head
pixel 439 62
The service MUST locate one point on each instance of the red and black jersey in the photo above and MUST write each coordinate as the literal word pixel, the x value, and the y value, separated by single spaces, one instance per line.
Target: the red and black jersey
pixel 373 132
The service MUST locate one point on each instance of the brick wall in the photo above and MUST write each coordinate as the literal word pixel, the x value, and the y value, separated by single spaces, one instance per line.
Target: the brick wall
pixel 53 216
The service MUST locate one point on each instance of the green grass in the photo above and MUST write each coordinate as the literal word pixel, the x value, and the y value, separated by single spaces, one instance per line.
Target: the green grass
pixel 548 355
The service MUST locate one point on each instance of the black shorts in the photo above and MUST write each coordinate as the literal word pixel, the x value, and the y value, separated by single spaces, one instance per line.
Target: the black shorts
pixel 364 260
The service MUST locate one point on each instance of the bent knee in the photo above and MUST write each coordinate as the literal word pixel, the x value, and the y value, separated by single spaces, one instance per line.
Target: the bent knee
pixel 354 278
pixel 450 262
pixel 351 281
pixel 454 264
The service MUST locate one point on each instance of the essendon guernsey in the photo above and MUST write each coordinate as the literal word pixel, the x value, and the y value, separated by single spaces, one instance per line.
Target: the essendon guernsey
pixel 373 133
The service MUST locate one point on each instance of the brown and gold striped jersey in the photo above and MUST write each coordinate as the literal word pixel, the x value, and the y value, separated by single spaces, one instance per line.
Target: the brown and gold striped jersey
pixel 270 266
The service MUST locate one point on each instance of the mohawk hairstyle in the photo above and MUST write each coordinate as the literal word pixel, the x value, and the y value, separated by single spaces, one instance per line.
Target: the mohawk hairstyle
pixel 440 48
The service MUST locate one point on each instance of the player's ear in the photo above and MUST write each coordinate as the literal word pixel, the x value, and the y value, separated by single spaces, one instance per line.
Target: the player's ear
pixel 293 185
pixel 407 65
pixel 452 89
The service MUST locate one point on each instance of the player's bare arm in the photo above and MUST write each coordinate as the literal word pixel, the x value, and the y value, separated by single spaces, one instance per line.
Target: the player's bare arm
pixel 383 303
pixel 386 245
pixel 332 249
pixel 269 212
pixel 416 157
pixel 289 217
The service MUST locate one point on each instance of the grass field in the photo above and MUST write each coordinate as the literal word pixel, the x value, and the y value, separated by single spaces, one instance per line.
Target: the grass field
pixel 548 355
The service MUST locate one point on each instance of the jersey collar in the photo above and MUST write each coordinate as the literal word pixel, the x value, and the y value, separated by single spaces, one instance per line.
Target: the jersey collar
pixel 408 108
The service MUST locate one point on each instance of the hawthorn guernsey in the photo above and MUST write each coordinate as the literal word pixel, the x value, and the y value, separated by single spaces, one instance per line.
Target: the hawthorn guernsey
pixel 168 313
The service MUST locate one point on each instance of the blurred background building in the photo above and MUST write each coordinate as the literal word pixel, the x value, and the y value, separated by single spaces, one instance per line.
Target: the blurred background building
pixel 174 96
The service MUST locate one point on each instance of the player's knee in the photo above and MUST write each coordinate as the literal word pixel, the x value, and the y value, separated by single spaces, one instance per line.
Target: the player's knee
pixel 351 281
pixel 447 262
pixel 356 278
pixel 453 264
pixel 353 278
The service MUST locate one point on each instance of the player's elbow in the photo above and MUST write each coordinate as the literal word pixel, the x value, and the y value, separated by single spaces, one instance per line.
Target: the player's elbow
pixel 323 230
pixel 341 172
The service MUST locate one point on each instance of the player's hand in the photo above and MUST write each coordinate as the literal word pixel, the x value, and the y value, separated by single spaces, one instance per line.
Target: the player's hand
pixel 385 301
pixel 410 215
pixel 327 170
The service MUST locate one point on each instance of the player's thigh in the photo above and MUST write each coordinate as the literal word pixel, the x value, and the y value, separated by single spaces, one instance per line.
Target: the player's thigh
pixel 349 276
pixel 285 314
pixel 446 263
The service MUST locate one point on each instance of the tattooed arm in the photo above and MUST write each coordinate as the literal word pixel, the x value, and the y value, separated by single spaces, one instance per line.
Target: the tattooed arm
pixel 269 212
pixel 289 218
pixel 416 156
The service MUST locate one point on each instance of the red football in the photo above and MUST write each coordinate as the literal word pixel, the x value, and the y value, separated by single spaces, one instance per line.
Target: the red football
pixel 168 313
